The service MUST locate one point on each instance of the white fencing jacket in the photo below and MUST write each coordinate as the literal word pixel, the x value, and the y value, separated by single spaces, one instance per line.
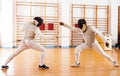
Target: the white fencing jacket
pixel 89 34
pixel 30 31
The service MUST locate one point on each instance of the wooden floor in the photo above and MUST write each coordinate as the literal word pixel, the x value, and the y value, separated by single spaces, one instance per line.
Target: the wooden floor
pixel 59 60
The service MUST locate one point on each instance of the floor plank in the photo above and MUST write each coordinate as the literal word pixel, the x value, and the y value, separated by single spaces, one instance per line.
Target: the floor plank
pixel 59 60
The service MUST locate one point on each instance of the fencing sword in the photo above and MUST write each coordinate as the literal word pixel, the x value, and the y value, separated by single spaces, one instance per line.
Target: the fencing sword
pixel 11 42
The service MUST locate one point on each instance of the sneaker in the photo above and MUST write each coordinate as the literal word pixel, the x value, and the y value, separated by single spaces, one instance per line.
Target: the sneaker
pixel 4 67
pixel 43 67
pixel 75 65
pixel 115 64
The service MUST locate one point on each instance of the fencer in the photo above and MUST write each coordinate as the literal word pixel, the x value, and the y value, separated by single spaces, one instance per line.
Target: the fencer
pixel 88 33
pixel 30 30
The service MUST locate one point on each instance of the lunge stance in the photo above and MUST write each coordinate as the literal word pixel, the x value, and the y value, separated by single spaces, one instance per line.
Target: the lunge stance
pixel 88 33
pixel 30 29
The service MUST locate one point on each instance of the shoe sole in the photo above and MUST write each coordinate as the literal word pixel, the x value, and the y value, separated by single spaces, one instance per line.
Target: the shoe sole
pixel 43 68
pixel 116 66
pixel 76 66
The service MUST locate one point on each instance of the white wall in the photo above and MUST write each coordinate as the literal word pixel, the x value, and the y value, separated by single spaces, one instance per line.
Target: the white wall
pixel 118 2
pixel 114 19
pixel 7 17
pixel 6 22
pixel 0 7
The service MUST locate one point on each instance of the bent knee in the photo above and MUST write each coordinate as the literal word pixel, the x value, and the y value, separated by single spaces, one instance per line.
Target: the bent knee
pixel 43 50
pixel 77 51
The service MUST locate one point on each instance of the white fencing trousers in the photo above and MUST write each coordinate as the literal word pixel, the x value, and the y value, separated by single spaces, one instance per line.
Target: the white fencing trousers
pixel 28 44
pixel 95 46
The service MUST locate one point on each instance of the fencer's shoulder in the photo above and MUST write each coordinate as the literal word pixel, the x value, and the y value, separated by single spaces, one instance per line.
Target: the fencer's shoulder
pixel 92 27
pixel 28 23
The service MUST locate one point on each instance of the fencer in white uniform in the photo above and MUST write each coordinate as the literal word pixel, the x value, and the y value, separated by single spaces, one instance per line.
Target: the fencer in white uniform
pixel 88 33
pixel 30 30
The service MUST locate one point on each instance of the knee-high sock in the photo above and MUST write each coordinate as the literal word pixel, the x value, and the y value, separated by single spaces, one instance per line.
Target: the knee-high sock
pixel 77 56
pixel 42 58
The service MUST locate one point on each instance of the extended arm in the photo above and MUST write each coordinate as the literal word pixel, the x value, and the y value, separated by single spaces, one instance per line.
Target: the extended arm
pixel 70 27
